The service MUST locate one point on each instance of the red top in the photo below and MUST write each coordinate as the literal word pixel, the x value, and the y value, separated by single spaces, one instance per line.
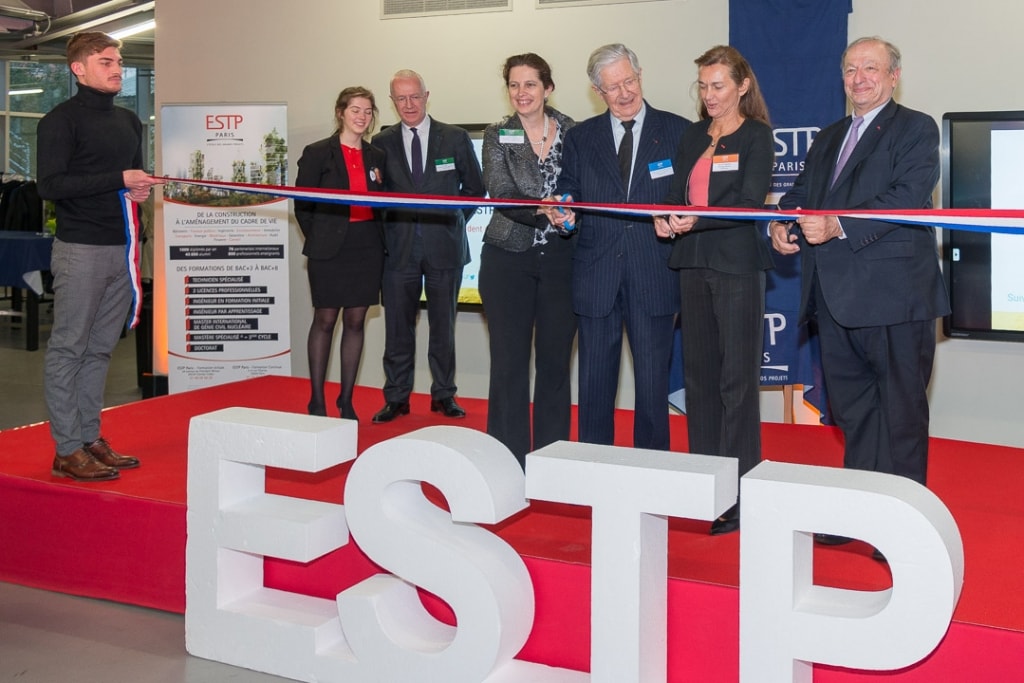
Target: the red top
pixel 357 182
pixel 700 178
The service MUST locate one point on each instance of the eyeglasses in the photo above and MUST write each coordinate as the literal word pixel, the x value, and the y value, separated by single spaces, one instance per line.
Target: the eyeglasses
pixel 628 85
pixel 403 100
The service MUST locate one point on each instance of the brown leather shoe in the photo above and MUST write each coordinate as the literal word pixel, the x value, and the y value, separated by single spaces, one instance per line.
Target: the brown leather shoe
pixel 102 451
pixel 82 466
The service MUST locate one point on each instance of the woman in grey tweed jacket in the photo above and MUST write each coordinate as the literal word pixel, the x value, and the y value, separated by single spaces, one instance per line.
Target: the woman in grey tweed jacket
pixel 526 267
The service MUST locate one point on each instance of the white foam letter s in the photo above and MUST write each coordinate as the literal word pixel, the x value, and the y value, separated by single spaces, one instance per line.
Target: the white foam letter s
pixel 482 579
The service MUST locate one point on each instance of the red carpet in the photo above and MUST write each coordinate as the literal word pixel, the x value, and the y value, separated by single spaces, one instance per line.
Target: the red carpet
pixel 87 539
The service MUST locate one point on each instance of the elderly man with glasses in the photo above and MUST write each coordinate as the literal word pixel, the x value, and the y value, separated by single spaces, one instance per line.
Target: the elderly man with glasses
pixel 426 248
pixel 620 268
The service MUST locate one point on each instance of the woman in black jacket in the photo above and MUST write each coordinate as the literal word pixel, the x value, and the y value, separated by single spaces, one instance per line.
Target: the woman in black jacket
pixel 724 160
pixel 344 244
pixel 526 267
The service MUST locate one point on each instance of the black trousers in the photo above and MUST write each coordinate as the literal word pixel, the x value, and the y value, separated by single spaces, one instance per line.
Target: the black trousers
pixel 877 382
pixel 722 322
pixel 527 299
pixel 401 290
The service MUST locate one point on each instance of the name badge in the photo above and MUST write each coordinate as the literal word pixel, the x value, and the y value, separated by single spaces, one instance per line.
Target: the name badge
pixel 725 162
pixel 444 164
pixel 511 136
pixel 660 169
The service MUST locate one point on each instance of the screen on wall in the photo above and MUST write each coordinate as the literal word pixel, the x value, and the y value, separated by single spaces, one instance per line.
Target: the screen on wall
pixel 983 168
pixel 470 293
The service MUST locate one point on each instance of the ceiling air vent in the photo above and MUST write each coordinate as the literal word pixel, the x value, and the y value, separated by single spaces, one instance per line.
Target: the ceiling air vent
pixel 571 3
pixel 398 9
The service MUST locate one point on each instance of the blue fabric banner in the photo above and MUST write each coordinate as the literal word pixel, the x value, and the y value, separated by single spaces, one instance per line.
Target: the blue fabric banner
pixel 795 48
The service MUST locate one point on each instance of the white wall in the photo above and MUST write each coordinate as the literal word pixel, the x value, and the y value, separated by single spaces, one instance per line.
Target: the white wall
pixel 956 57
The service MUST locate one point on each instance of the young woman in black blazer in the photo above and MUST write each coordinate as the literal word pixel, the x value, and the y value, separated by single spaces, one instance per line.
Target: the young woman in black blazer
pixel 344 244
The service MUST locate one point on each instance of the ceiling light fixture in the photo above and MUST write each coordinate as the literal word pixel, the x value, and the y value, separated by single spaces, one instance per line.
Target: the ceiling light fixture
pixel 26 91
pixel 133 30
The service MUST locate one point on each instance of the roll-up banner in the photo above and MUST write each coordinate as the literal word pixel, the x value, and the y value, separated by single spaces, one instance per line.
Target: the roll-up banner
pixel 226 253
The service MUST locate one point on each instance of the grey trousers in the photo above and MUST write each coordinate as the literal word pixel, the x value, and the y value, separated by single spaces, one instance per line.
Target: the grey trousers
pixel 91 295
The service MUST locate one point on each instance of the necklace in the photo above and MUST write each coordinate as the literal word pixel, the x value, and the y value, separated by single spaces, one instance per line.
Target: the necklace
pixel 716 137
pixel 545 138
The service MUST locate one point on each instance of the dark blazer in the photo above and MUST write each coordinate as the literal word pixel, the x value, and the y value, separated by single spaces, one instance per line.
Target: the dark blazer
pixel 610 244
pixel 445 244
pixel 882 273
pixel 322 165
pixel 728 246
pixel 511 171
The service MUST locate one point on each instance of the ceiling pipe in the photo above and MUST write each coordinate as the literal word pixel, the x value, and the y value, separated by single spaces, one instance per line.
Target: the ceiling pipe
pixel 80 21
pixel 23 13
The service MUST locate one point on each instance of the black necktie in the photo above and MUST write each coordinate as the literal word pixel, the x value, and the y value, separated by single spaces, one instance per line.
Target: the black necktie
pixel 626 153
pixel 417 158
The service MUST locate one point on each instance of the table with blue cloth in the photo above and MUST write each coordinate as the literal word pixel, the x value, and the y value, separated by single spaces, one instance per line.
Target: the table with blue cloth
pixel 23 258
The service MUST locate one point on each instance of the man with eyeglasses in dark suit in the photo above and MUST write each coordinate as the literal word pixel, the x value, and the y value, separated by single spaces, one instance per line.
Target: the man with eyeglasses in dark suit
pixel 426 248
pixel 620 267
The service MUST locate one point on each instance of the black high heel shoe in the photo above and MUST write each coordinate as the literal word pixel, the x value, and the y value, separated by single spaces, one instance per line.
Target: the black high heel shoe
pixel 727 523
pixel 317 409
pixel 347 411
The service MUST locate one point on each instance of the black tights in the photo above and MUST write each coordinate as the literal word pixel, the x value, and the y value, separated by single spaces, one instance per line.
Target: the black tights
pixel 318 348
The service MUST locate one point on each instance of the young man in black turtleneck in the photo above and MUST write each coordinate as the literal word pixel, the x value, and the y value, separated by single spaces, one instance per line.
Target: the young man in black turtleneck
pixel 89 150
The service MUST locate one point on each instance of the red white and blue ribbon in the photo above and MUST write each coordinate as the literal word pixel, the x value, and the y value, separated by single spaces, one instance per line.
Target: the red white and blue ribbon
pixel 1010 221
pixel 132 253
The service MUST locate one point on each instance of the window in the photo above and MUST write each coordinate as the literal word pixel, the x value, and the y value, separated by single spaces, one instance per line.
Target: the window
pixel 37 87
pixel 22 146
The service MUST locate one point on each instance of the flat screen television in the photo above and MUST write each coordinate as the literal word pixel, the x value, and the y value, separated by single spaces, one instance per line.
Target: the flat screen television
pixel 983 168
pixel 470 293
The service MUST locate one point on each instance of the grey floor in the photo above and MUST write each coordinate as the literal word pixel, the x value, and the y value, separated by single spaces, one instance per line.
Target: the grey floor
pixel 21 371
pixel 50 637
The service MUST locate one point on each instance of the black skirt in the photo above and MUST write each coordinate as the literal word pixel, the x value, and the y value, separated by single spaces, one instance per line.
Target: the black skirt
pixel 352 276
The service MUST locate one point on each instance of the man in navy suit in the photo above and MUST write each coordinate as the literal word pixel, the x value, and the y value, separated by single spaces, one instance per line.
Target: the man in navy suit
pixel 874 287
pixel 426 248
pixel 620 267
